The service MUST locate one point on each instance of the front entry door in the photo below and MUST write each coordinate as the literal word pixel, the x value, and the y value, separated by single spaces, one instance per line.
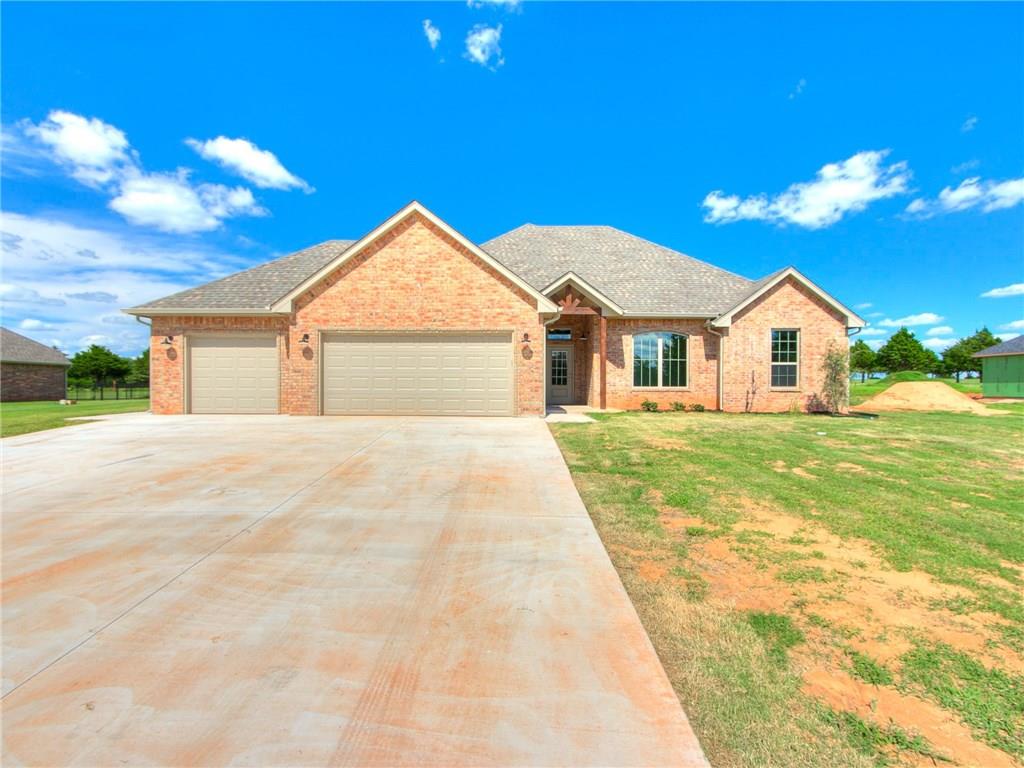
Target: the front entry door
pixel 559 375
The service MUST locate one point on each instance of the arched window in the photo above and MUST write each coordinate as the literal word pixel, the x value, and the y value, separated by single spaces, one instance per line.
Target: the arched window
pixel 659 359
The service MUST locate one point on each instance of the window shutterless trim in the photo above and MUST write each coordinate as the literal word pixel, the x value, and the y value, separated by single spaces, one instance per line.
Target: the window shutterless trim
pixel 773 363
pixel 659 360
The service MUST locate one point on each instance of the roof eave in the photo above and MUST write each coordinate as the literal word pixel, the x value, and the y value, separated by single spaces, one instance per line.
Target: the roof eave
pixel 192 311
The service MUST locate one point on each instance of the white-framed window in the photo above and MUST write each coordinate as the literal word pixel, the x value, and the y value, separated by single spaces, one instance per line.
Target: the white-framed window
pixel 660 359
pixel 785 358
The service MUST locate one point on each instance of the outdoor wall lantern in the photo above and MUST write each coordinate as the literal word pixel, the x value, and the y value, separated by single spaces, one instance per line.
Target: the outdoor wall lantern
pixel 526 339
pixel 583 336
pixel 304 339
pixel 168 340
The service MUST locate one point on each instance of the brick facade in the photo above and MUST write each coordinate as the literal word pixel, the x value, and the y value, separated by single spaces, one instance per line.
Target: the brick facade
pixel 24 381
pixel 747 374
pixel 414 278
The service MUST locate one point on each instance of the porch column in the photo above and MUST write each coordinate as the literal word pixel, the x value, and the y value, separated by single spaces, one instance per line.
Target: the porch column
pixel 604 359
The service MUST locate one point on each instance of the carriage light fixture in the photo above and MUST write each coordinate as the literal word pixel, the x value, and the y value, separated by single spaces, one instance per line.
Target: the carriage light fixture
pixel 304 339
pixel 168 340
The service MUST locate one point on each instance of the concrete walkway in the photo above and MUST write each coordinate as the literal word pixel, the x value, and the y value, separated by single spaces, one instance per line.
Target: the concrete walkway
pixel 317 591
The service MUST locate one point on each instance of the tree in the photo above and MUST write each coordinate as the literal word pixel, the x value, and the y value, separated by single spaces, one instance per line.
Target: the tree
pixel 903 352
pixel 959 358
pixel 139 373
pixel 863 359
pixel 835 389
pixel 98 364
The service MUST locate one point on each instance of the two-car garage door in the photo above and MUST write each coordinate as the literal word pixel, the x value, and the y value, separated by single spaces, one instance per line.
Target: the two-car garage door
pixel 466 374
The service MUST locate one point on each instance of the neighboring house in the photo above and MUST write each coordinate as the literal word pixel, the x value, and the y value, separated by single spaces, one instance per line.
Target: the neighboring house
pixel 1002 369
pixel 415 319
pixel 30 370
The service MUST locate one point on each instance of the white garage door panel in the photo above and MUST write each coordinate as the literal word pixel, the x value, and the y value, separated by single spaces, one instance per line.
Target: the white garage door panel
pixel 233 374
pixel 431 374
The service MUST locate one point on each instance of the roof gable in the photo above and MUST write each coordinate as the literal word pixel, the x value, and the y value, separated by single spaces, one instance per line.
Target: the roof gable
pixel 286 302
pixel 15 348
pixel 765 284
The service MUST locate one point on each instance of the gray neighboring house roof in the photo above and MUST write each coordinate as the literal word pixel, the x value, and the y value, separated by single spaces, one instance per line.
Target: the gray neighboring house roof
pixel 254 289
pixel 15 348
pixel 1012 347
pixel 640 276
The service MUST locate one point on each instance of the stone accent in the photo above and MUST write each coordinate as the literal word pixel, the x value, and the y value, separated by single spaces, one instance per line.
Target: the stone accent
pixel 24 381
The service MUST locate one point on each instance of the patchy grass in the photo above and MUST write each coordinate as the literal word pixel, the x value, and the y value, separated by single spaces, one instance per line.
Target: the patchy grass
pixel 990 700
pixel 790 544
pixel 22 418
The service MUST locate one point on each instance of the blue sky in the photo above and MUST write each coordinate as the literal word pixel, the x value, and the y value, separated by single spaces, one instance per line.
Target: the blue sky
pixel 878 148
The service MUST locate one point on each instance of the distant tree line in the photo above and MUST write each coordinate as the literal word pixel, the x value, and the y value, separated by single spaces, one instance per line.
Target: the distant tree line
pixel 97 366
pixel 903 352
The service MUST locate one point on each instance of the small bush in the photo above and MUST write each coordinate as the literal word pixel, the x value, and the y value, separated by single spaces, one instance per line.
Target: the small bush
pixel 677 406
pixel 649 405
pixel 697 408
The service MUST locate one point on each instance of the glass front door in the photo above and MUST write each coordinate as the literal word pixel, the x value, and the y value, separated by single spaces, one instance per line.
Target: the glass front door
pixel 559 375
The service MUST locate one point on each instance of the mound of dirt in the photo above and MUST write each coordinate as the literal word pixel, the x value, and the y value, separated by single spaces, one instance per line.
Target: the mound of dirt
pixel 923 396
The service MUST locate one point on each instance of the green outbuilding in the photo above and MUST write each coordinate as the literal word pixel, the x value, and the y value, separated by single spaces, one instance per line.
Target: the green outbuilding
pixel 1002 369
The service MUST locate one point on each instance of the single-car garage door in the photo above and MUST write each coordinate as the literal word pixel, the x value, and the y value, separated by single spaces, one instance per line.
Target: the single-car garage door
pixel 467 374
pixel 233 374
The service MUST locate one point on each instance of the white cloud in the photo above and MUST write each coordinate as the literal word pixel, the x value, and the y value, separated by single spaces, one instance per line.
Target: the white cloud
pixel 801 84
pixel 1007 336
pixel 967 165
pixel 99 155
pixel 924 318
pixel 969 124
pixel 1016 325
pixel 876 344
pixel 938 343
pixel 509 5
pixel 939 330
pixel 257 166
pixel 31 324
pixel 75 278
pixel 839 188
pixel 94 151
pixel 1014 289
pixel 483 46
pixel 873 332
pixel 171 203
pixel 863 305
pixel 971 193
pixel 874 314
pixel 432 33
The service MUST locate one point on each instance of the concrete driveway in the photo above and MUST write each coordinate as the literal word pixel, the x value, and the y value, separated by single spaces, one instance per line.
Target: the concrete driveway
pixel 317 591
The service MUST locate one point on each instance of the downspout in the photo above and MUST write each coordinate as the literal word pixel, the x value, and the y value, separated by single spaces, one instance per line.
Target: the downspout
pixel 721 364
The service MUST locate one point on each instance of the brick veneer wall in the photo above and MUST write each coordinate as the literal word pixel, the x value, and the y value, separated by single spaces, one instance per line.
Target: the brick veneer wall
pixel 747 371
pixel 702 351
pixel 22 381
pixel 414 278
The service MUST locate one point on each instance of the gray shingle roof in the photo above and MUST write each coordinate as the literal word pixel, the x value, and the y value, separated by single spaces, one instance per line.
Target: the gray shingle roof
pixel 643 278
pixel 15 348
pixel 638 275
pixel 255 288
pixel 1014 346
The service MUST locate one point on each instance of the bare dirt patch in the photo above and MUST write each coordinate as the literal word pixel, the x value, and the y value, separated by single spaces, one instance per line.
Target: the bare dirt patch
pixel 924 396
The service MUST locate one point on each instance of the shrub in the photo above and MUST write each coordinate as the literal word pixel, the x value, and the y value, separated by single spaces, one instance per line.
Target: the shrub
pixel 649 405
pixel 677 406
pixel 697 408
pixel 837 376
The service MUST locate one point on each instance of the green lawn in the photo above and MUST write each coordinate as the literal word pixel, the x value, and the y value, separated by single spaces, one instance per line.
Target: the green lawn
pixel 20 418
pixel 861 391
pixel 779 560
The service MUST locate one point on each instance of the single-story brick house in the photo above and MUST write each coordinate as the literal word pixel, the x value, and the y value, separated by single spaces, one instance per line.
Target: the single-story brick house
pixel 30 370
pixel 414 318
